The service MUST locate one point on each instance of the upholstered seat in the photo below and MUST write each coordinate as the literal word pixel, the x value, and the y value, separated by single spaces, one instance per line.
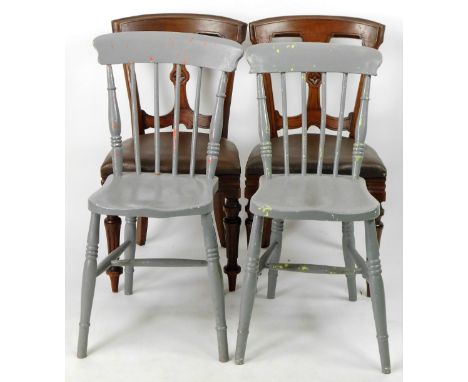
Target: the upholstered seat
pixel 317 197
pixel 228 164
pixel 372 166
pixel 154 195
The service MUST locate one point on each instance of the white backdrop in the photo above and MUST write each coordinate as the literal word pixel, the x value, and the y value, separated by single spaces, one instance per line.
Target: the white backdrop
pixel 160 327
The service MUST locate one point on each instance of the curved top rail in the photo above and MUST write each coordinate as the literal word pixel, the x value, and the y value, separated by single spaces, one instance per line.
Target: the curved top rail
pixel 168 47
pixel 283 57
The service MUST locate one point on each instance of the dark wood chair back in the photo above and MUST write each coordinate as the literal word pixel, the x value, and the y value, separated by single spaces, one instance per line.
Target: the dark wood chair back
pixel 189 23
pixel 314 29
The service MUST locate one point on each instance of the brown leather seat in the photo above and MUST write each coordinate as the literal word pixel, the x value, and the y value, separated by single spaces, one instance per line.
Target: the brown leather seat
pixel 228 164
pixel 372 166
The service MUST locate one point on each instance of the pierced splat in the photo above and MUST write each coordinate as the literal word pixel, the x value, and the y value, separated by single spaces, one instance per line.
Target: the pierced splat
pixel 186 112
pixel 314 29
pixel 314 110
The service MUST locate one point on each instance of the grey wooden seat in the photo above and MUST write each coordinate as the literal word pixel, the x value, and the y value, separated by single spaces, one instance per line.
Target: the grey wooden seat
pixel 154 194
pixel 314 197
pixel 333 197
pixel 160 196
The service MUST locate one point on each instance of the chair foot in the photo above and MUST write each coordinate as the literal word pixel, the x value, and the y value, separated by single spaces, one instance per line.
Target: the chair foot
pixel 232 273
pixel 83 342
pixel 114 276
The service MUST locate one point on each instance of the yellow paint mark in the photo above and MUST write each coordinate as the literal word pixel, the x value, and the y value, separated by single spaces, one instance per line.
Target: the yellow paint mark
pixel 266 209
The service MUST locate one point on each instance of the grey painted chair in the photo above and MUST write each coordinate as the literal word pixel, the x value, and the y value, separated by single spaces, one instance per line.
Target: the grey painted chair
pixel 317 196
pixel 158 195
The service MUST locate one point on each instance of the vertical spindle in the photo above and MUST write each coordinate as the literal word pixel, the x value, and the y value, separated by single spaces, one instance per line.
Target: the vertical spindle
pixel 175 127
pixel 157 125
pixel 135 127
pixel 114 123
pixel 263 128
pixel 336 161
pixel 216 127
pixel 304 124
pixel 285 124
pixel 361 129
pixel 323 123
pixel 193 151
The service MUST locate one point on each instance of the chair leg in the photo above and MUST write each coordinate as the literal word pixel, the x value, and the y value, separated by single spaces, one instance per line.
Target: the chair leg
pixel 218 203
pixel 378 294
pixel 130 232
pixel 112 225
pixel 232 223
pixel 348 243
pixel 142 229
pixel 249 289
pixel 248 220
pixel 379 226
pixel 215 278
pixel 266 226
pixel 276 237
pixel 88 284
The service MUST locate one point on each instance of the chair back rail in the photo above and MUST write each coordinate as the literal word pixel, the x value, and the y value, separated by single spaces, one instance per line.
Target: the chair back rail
pixel 314 29
pixel 162 47
pixel 218 26
pixel 283 58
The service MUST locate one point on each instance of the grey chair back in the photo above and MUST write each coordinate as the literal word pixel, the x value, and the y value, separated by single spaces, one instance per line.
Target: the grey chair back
pixel 203 52
pixel 303 57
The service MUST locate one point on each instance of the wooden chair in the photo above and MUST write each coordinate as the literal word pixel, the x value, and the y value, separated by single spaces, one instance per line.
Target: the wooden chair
pixel 314 29
pixel 157 195
pixel 320 196
pixel 228 171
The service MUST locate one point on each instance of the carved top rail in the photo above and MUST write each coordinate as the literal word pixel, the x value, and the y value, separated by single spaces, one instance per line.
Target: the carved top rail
pixel 314 29
pixel 218 26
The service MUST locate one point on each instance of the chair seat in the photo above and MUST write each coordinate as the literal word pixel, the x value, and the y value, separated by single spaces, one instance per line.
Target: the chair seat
pixel 372 166
pixel 316 197
pixel 228 162
pixel 153 195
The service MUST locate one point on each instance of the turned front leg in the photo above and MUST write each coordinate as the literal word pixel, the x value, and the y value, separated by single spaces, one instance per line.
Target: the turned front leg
pixel 378 294
pixel 215 278
pixel 232 224
pixel 88 284
pixel 249 289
